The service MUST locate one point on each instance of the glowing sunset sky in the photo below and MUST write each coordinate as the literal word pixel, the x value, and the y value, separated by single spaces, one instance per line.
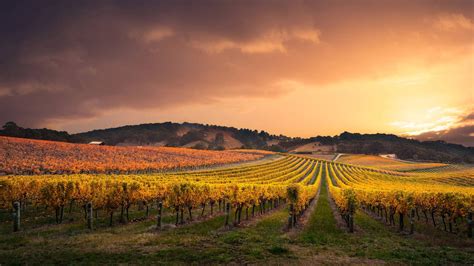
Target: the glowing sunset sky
pixel 300 68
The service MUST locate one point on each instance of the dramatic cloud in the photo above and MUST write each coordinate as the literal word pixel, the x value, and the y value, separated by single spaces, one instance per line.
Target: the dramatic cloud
pixel 453 125
pixel 462 132
pixel 76 60
pixel 436 120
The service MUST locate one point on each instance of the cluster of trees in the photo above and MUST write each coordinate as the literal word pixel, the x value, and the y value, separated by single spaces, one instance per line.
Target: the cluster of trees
pixel 11 129
pixel 408 149
pixel 170 135
pixel 146 134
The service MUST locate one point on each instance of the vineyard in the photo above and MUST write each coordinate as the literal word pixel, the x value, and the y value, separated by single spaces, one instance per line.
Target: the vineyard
pixel 276 208
pixel 236 188
pixel 25 156
pixel 451 197
pixel 386 163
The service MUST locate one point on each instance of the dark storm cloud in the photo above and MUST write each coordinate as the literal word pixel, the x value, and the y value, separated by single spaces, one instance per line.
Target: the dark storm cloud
pixel 468 118
pixel 460 134
pixel 62 59
pixel 73 59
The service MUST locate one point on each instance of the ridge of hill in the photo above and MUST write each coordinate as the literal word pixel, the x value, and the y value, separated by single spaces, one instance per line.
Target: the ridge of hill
pixel 214 137
pixel 190 135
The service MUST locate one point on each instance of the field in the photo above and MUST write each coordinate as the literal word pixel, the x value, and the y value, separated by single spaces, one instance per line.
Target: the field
pixel 280 210
pixel 386 163
pixel 24 156
pixel 327 157
pixel 314 147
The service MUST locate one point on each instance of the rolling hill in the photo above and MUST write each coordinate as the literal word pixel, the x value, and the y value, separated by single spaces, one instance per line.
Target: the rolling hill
pixel 213 137
pixel 189 135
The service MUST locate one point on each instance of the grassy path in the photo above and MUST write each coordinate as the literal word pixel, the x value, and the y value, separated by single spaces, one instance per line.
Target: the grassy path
pixel 321 228
pixel 374 242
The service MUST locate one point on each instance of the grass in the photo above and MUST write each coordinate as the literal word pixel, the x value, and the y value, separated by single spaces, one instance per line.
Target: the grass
pixel 388 164
pixel 202 243
pixel 378 242
pixel 322 229
pixel 262 241
pixel 389 245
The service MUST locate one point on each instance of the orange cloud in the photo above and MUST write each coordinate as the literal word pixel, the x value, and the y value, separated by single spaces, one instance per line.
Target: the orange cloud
pixel 461 132
pixel 271 41
pixel 315 67
pixel 450 124
pixel 157 34
pixel 452 22
pixel 436 119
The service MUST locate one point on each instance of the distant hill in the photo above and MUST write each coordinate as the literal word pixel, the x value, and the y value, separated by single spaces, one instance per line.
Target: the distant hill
pixel 200 136
pixel 190 135
pixel 408 149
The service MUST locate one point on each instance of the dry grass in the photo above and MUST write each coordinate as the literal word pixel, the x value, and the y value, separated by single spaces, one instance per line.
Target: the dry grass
pixel 385 163
pixel 327 157
pixel 314 147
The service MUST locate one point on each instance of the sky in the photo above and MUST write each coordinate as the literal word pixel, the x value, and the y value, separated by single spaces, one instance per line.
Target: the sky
pixel 298 68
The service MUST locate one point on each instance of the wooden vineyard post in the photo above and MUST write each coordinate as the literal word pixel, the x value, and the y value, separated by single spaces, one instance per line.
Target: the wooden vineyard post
pixel 182 216
pixel 401 223
pixel 16 216
pixel 227 212
pixel 236 214
pixel 351 222
pixel 159 216
pixel 469 225
pixel 177 216
pixel 350 219
pixel 295 218
pixel 412 221
pixel 90 215
pixel 290 216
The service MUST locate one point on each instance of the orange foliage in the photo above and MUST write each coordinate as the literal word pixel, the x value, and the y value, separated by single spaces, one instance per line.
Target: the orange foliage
pixel 25 156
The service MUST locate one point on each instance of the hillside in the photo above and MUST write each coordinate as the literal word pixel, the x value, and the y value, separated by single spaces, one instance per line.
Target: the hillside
pixel 387 163
pixel 169 134
pixel 314 147
pixel 212 137
pixel 407 149
pixel 23 156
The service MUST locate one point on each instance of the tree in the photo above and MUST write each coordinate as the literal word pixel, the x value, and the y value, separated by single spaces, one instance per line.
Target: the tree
pixel 276 148
pixel 375 148
pixel 11 129
pixel 219 139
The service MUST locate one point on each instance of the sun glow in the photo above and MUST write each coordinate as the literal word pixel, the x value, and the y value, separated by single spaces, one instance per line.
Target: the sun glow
pixel 434 120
